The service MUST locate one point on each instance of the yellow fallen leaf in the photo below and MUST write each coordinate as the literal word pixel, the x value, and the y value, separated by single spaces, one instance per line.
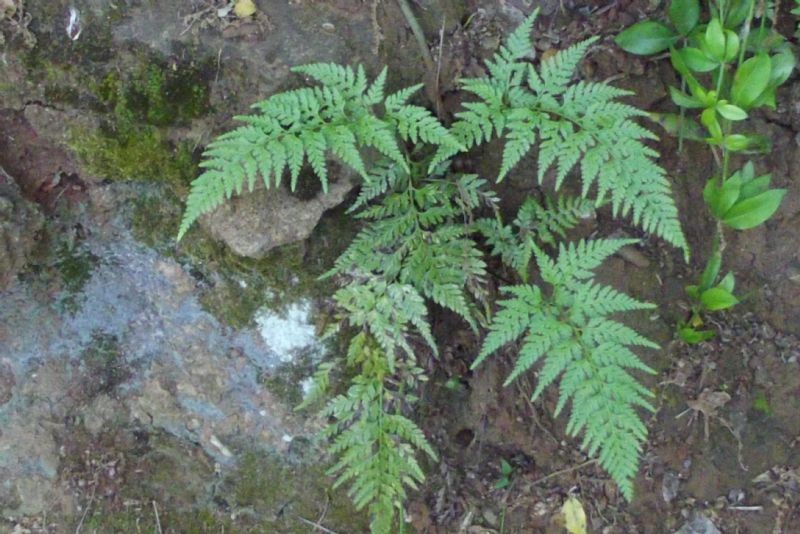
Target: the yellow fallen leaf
pixel 244 8
pixel 574 516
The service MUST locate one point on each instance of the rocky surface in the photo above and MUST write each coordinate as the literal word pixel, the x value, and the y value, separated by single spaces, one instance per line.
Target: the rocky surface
pixel 255 223
pixel 20 220
pixel 138 352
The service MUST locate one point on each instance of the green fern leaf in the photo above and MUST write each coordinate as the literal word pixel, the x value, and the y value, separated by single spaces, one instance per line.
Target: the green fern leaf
pixel 582 348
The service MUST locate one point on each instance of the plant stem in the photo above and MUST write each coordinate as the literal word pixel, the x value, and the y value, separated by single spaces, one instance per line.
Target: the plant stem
pixel 746 33
pixel 419 35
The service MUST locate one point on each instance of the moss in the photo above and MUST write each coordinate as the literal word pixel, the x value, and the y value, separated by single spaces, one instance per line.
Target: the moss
pixel 135 154
pixel 157 91
pixel 761 403
pixel 75 267
pixel 62 94
pixel 132 143
pixel 284 381
pixel 276 488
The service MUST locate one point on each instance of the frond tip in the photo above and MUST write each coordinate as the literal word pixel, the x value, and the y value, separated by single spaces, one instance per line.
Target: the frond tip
pixel 571 334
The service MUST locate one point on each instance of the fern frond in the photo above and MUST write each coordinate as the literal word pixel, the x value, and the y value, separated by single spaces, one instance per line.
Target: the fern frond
pixel 418 236
pixel 309 124
pixel 554 218
pixel 375 444
pixel 506 243
pixel 571 332
pixel 576 125
pixel 556 71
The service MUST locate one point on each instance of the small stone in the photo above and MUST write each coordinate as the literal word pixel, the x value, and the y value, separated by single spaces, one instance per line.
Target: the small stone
pixel 736 496
pixel 699 524
pixel 7 383
pixel 214 440
pixel 490 518
pixel 669 486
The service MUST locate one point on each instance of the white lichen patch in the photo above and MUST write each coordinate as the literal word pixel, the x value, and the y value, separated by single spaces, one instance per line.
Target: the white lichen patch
pixel 287 334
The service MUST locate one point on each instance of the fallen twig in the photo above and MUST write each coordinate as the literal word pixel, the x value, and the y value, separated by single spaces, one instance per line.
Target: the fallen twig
pixel 564 471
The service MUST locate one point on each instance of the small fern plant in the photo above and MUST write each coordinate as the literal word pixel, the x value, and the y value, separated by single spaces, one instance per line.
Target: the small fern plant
pixel 418 244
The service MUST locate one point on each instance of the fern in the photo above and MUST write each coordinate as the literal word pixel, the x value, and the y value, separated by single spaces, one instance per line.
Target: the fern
pixel 575 125
pixel 418 234
pixel 417 245
pixel 376 451
pixel 571 333
pixel 375 443
pixel 534 222
pixel 307 124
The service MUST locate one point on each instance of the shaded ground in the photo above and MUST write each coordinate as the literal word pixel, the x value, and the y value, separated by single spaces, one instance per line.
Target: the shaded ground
pixel 129 446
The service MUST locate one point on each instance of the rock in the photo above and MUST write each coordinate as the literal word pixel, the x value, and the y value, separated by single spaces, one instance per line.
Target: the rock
pixel 7 382
pixel 253 224
pixel 699 524
pixel 670 486
pixel 20 220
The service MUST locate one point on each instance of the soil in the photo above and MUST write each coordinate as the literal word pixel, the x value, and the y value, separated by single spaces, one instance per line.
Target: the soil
pixel 724 445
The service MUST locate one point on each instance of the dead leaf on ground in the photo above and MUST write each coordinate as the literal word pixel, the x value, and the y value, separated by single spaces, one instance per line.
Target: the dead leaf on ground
pixel 574 516
pixel 707 403
pixel 244 8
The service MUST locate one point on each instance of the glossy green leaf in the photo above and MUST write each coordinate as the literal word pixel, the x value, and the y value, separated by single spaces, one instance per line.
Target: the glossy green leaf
pixel 736 12
pixel 711 272
pixel 757 144
pixel 783 64
pixel 731 46
pixel 696 60
pixel 731 112
pixel 693 292
pixel 726 196
pixel 747 172
pixel 736 142
pixel 709 120
pixel 767 98
pixel 753 211
pixel 684 15
pixel 683 100
pixel 715 40
pixel 693 337
pixel 728 283
pixel 710 192
pixel 754 187
pixel 751 79
pixel 505 467
pixel 646 38
pixel 682 68
pixel 716 298
pixel 764 40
